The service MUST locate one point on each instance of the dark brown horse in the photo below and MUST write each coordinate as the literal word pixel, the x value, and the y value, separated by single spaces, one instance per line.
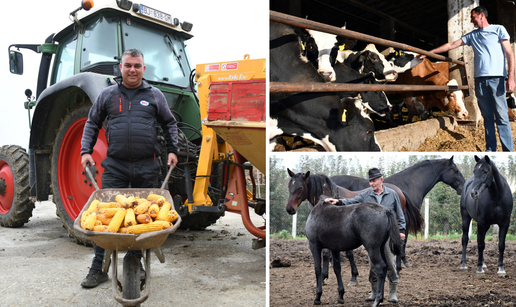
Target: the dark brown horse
pixel 487 199
pixel 304 186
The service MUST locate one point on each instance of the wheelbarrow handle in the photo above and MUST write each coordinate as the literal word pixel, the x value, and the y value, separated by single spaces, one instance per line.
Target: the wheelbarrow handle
pixel 90 177
pixel 167 177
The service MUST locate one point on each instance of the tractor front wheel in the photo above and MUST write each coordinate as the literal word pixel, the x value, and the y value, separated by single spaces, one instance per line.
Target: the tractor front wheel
pixel 15 205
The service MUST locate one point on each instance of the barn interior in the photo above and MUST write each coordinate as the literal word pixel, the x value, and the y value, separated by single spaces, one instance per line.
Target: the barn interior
pixel 421 24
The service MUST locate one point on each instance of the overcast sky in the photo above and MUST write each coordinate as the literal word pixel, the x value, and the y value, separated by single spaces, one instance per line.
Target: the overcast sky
pixel 224 30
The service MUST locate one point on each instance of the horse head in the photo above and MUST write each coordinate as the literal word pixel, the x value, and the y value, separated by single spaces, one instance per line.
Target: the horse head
pixel 297 189
pixel 483 176
pixel 452 176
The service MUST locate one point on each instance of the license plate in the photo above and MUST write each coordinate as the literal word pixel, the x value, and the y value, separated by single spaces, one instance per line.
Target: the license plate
pixel 155 14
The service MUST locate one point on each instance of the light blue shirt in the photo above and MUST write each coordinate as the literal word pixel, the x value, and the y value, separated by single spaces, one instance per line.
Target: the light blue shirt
pixel 489 54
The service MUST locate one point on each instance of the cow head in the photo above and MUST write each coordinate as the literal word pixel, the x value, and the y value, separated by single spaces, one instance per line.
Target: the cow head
pixel 370 61
pixel 454 100
pixel 321 50
pixel 401 60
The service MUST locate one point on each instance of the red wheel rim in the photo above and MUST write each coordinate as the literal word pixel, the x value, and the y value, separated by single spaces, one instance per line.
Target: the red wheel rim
pixel 6 174
pixel 74 189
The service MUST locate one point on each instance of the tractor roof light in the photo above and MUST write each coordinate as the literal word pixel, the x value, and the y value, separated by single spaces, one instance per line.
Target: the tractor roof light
pixel 124 4
pixel 186 26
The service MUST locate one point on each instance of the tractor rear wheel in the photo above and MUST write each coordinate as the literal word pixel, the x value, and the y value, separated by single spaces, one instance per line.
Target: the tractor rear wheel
pixel 71 187
pixel 15 205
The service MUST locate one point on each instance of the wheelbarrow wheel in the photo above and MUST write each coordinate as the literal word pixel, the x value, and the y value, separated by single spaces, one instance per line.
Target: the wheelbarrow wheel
pixel 131 278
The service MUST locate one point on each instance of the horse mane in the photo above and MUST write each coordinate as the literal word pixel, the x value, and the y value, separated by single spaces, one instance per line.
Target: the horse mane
pixel 318 182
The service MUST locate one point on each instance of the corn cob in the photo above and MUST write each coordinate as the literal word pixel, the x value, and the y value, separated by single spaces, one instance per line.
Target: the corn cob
pixel 117 220
pixel 171 216
pixel 122 201
pixel 109 212
pixel 143 218
pixel 122 230
pixel 83 219
pixel 130 219
pixel 102 228
pixel 164 224
pixel 153 210
pixel 93 206
pixel 104 219
pixel 141 228
pixel 142 208
pixel 97 222
pixel 133 201
pixel 163 212
pixel 102 206
pixel 89 223
pixel 158 198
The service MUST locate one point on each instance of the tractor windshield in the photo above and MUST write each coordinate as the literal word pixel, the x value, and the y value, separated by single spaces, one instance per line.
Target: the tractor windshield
pixel 164 53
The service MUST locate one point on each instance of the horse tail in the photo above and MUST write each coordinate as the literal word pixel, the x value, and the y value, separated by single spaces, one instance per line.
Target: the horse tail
pixel 413 217
pixel 394 233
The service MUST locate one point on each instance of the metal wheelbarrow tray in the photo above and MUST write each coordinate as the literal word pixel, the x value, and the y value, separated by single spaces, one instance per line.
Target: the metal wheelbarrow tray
pixel 123 241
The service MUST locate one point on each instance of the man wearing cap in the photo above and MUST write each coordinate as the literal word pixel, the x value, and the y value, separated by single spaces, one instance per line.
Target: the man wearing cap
pixel 389 199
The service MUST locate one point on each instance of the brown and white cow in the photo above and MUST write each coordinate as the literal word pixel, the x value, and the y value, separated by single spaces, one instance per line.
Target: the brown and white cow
pixel 428 73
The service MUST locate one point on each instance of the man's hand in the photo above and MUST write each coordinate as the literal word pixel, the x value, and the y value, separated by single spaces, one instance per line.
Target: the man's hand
pixel 85 159
pixel 402 236
pixel 332 201
pixel 172 159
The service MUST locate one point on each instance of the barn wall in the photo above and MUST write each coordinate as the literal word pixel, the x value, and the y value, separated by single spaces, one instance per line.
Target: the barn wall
pixel 459 23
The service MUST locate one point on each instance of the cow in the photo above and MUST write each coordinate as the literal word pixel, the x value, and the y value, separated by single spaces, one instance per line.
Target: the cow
pixel 369 61
pixel 401 60
pixel 333 71
pixel 335 124
pixel 419 102
pixel 511 105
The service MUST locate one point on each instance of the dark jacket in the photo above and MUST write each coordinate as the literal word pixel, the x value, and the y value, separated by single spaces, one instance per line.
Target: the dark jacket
pixel 131 132
pixel 388 198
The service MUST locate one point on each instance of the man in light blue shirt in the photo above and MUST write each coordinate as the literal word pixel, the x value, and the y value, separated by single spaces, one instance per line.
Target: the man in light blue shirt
pixel 489 43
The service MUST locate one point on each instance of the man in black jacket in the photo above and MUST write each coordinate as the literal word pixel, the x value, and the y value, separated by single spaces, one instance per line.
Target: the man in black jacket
pixel 132 108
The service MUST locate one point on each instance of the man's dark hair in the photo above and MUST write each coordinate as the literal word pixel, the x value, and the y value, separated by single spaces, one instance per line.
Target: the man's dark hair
pixel 133 52
pixel 480 9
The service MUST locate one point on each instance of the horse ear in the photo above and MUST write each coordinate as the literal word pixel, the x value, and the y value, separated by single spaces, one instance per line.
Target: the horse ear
pixel 477 158
pixel 488 160
pixel 290 173
pixel 451 159
pixel 306 175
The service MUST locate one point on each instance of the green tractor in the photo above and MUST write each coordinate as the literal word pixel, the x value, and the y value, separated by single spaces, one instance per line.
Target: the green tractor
pixel 76 65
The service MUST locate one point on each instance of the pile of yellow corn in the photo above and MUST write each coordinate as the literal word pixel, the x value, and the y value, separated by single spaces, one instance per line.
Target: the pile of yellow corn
pixel 131 214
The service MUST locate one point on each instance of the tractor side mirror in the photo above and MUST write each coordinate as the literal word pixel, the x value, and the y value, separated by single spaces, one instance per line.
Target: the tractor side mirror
pixel 16 62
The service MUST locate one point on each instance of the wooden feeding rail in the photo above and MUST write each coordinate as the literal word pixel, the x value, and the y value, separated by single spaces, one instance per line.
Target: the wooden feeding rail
pixel 277 87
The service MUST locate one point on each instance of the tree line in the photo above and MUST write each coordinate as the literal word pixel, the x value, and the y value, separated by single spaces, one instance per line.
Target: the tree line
pixel 443 199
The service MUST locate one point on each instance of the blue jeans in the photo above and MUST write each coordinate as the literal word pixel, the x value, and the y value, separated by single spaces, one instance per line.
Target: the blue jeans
pixel 490 92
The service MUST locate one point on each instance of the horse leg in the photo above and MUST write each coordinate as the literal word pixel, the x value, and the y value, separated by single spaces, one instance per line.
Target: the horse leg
pixel 501 248
pixel 465 238
pixel 316 253
pixel 481 235
pixel 379 262
pixel 338 273
pixel 354 271
pixel 406 263
pixel 325 264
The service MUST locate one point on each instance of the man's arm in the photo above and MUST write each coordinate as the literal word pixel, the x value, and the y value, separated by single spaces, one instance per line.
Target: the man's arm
pixel 346 201
pixel 509 55
pixel 446 47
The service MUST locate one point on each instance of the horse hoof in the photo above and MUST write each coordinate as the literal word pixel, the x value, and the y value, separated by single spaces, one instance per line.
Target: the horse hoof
pixel 406 264
pixel 501 273
pixel 340 301
pixel 463 268
pixel 352 283
pixel 317 302
pixel 480 274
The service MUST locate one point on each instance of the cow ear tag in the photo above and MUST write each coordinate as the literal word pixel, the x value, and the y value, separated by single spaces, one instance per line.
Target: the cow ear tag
pixel 344 115
pixel 342 47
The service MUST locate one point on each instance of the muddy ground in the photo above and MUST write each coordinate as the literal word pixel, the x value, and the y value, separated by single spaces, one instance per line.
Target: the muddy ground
pixel 434 279
pixel 41 266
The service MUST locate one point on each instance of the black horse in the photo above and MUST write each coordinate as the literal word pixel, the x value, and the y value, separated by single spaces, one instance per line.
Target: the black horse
pixel 487 199
pixel 306 186
pixel 346 228
pixel 415 182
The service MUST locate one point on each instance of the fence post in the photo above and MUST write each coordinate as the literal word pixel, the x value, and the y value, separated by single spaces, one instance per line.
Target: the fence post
pixel 427 217
pixel 294 225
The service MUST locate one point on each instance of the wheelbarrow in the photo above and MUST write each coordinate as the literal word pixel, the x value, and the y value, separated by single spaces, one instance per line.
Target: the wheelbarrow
pixel 128 291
